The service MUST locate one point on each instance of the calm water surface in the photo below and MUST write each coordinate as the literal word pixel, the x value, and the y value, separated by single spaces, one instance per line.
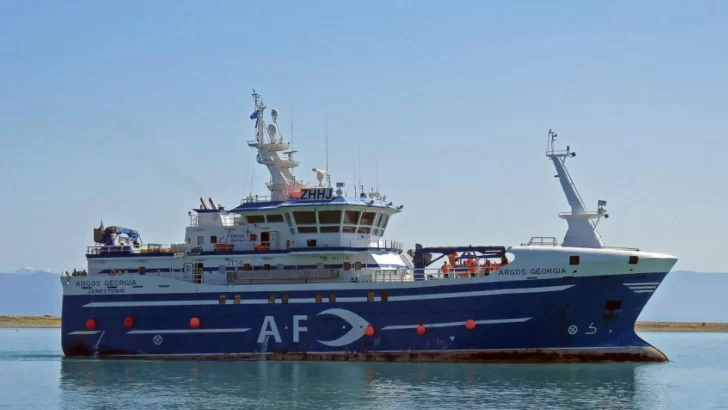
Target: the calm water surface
pixel 35 376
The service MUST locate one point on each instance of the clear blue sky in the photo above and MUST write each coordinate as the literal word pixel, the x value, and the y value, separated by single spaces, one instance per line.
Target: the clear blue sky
pixel 128 112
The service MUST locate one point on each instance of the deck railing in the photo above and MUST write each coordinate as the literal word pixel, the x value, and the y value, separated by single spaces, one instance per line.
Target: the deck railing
pixel 290 276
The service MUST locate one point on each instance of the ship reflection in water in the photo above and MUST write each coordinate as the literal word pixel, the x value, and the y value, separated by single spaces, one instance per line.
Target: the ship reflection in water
pixel 352 385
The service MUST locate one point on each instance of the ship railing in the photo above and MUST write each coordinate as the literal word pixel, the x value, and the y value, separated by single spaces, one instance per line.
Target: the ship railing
pixel 387 244
pixel 245 277
pixel 381 244
pixel 384 275
pixel 457 272
pixel 129 249
pixel 255 199
pixel 542 241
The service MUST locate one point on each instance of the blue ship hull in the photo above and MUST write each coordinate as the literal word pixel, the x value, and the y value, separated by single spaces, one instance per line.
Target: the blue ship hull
pixel 565 319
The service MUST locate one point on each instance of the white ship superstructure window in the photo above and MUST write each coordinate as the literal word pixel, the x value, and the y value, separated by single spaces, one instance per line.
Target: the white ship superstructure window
pixel 255 219
pixel 351 217
pixel 367 219
pixel 200 240
pixel 330 221
pixel 288 221
pixel 329 217
pixel 305 217
pixel 275 218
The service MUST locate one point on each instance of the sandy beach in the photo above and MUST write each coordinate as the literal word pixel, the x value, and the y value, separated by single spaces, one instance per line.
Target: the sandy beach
pixel 54 321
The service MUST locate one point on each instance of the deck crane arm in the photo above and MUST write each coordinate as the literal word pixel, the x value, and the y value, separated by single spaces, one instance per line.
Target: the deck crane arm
pixel 108 236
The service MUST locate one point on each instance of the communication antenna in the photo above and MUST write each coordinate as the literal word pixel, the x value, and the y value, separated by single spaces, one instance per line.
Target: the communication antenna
pixel 376 174
pixel 358 149
pixel 291 123
pixel 326 136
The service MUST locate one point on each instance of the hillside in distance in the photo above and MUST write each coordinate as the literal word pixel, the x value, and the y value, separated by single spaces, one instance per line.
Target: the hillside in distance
pixel 683 297
pixel 30 292
pixel 687 296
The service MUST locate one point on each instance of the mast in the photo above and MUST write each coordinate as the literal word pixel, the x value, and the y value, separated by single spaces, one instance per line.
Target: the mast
pixel 269 142
pixel 581 232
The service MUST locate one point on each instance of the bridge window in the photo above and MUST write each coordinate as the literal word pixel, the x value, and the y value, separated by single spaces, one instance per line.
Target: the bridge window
pixel 213 239
pixel 351 217
pixel 363 229
pixel 329 229
pixel 385 220
pixel 348 229
pixel 307 229
pixel 275 218
pixel 305 217
pixel 367 218
pixel 378 232
pixel 311 243
pixel 574 260
pixel 329 217
pixel 255 219
pixel 378 220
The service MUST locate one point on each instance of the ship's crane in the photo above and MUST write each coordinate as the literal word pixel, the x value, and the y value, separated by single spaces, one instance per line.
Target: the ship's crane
pixel 111 235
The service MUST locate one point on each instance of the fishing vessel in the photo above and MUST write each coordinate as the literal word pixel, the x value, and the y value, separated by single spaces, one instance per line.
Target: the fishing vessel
pixel 305 273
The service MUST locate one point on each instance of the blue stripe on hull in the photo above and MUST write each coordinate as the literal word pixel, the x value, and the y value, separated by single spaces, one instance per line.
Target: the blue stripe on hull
pixel 570 323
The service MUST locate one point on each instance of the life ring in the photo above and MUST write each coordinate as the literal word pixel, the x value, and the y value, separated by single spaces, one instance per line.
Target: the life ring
pixel 112 273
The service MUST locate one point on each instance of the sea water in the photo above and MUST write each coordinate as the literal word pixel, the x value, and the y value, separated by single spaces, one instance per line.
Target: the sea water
pixel 34 375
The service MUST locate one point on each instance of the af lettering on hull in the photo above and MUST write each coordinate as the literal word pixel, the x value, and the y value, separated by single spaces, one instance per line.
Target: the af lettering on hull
pixel 533 271
pixel 357 324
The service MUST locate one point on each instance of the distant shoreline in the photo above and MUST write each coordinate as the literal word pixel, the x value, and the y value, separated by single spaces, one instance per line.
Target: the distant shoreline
pixel 7 321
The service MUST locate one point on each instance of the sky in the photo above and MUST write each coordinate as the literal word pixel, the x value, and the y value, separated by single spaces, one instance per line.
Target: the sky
pixel 128 112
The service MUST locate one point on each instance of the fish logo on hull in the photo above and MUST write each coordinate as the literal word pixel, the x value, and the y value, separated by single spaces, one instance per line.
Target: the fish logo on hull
pixel 357 323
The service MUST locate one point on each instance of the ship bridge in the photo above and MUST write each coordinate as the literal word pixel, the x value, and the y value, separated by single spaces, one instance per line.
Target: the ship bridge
pixel 318 219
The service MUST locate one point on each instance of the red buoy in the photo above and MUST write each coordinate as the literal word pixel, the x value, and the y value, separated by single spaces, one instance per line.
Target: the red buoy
pixel 470 324
pixel 421 330
pixel 90 324
pixel 129 321
pixel 194 323
pixel 369 331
